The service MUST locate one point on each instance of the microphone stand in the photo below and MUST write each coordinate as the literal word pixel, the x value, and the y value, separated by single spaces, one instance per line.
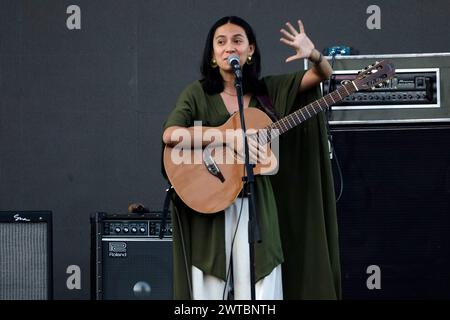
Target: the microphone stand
pixel 249 184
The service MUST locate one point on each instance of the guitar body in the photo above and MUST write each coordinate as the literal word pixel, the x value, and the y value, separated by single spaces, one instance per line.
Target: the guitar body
pixel 196 186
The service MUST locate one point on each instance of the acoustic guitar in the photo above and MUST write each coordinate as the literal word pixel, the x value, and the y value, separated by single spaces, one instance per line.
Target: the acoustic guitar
pixel 208 180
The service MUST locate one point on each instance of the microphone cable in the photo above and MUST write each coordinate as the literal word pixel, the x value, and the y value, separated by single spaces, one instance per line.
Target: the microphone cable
pixel 333 154
pixel 230 266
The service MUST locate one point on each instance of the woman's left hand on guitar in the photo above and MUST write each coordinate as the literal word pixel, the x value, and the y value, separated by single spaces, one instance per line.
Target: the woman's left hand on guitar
pixel 256 152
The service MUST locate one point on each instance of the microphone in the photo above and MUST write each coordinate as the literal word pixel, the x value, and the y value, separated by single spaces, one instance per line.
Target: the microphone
pixel 235 63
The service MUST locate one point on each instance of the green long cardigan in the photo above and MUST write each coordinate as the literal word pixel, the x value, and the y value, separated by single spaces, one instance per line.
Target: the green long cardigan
pixel 298 222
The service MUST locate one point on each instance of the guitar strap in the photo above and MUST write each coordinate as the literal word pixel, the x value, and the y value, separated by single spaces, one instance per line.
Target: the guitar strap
pixel 267 106
pixel 165 211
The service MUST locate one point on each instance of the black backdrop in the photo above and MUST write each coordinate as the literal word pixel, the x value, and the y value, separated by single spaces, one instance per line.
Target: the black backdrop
pixel 81 110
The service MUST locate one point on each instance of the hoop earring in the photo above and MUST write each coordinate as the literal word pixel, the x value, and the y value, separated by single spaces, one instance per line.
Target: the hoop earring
pixel 249 60
pixel 213 63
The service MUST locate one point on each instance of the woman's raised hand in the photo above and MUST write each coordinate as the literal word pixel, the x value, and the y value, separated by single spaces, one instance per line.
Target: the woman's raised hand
pixel 297 40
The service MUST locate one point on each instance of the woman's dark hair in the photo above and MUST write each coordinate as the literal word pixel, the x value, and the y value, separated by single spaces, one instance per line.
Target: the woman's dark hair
pixel 212 81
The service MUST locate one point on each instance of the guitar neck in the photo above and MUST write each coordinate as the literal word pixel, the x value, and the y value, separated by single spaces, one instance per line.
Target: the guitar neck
pixel 294 119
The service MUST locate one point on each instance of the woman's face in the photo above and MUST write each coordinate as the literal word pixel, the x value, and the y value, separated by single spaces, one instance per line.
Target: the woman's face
pixel 230 39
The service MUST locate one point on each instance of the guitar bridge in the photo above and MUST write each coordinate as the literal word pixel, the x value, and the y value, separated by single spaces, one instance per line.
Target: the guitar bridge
pixel 211 165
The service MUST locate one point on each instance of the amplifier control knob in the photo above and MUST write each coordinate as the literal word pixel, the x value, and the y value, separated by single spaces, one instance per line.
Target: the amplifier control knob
pixel 142 230
pixel 134 229
pixel 117 230
pixel 126 229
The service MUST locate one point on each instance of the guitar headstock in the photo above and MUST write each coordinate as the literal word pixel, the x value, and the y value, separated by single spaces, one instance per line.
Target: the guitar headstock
pixel 374 74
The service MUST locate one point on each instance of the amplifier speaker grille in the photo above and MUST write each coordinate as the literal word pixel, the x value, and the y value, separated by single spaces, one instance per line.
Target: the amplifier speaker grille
pixel 145 273
pixel 25 270
pixel 394 212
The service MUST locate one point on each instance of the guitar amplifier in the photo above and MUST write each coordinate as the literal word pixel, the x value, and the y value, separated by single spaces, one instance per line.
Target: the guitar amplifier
pixel 26 255
pixel 394 212
pixel 410 88
pixel 419 92
pixel 129 259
